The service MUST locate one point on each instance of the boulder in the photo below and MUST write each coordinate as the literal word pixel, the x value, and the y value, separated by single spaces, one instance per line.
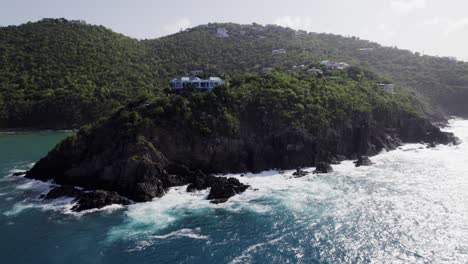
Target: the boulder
pixel 300 173
pixel 99 199
pixel 224 188
pixel 323 167
pixel 21 173
pixel 363 161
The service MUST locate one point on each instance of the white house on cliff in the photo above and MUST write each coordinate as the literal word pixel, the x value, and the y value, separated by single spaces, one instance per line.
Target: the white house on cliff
pixel 199 84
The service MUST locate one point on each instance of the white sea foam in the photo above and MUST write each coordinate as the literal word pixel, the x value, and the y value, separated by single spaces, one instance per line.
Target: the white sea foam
pixel 150 240
pixel 16 170
pixel 161 212
pixel 186 232
pixel 409 207
pixel 245 256
pixel 62 204
pixel 106 209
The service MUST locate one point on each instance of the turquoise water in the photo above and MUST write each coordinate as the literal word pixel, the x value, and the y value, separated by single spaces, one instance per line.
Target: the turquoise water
pixel 410 207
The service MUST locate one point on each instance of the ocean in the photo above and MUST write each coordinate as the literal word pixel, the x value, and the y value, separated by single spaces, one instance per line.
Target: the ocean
pixel 410 207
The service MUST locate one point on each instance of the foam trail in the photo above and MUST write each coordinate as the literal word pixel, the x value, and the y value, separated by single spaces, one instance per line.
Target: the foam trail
pixel 409 207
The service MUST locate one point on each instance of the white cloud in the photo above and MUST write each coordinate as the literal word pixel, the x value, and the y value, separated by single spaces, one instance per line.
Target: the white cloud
pixel 181 24
pixel 304 23
pixel 404 7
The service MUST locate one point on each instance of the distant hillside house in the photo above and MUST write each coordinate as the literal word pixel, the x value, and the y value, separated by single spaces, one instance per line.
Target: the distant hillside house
pixel 334 65
pixel 199 84
pixel 388 88
pixel 452 58
pixel 78 22
pixel 300 33
pixel 278 51
pixel 295 67
pixel 315 70
pixel 222 33
pixel 365 49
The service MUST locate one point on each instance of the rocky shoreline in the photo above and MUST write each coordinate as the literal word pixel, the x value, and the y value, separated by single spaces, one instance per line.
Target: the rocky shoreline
pixel 122 161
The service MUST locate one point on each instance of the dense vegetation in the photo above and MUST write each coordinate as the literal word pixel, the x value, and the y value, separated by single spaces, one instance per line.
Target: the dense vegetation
pixel 269 102
pixel 62 74
pixel 257 122
pixel 249 47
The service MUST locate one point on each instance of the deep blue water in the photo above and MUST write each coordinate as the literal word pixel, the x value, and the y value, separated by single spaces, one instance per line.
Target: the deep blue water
pixel 410 207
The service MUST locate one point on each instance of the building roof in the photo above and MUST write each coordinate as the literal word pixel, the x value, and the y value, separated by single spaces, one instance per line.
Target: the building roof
pixel 196 79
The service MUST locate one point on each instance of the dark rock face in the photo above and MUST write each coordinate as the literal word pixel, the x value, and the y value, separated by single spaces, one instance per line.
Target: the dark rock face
pixel 86 200
pixel 62 191
pixel 99 199
pixel 224 188
pixel 140 161
pixel 221 187
pixel 300 173
pixel 323 167
pixel 363 161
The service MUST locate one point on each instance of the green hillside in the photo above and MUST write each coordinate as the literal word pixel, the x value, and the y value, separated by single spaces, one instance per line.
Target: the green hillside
pixel 249 47
pixel 57 73
pixel 61 74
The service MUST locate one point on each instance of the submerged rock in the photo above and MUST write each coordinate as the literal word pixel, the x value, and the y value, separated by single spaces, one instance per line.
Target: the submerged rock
pixel 300 173
pixel 323 167
pixel 218 201
pixel 363 161
pixel 99 199
pixel 21 173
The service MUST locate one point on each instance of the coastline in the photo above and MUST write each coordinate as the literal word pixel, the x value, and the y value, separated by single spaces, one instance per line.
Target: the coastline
pixel 33 130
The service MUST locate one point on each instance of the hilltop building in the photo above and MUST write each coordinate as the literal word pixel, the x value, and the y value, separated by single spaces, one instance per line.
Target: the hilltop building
pixel 222 33
pixel 451 58
pixel 334 65
pixel 199 84
pixel 315 70
pixel 278 51
pixel 365 49
pixel 295 67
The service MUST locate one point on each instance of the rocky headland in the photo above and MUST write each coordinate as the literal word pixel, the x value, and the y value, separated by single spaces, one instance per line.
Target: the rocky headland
pixel 136 155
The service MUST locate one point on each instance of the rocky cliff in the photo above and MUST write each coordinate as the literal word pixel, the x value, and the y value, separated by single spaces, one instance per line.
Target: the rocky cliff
pixel 140 159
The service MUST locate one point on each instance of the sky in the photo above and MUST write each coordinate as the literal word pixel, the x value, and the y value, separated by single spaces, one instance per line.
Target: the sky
pixel 433 27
